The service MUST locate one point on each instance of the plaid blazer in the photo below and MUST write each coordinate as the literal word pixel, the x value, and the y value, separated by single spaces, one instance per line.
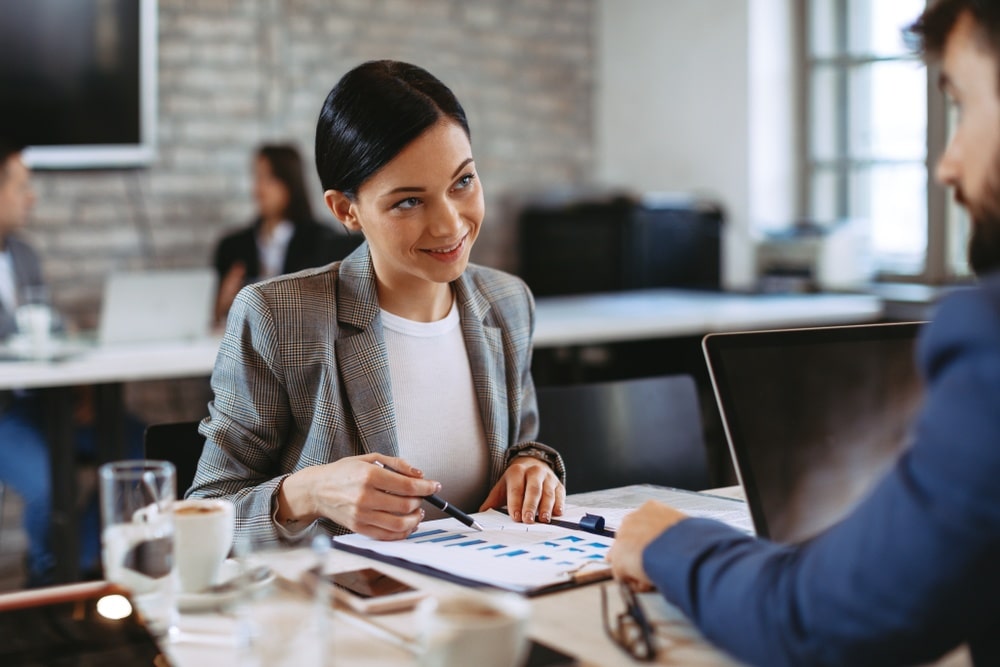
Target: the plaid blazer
pixel 302 379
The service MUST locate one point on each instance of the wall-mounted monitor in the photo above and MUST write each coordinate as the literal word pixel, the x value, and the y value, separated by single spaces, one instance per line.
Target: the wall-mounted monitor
pixel 78 81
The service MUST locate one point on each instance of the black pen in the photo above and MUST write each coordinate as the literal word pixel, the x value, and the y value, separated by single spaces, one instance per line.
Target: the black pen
pixel 442 504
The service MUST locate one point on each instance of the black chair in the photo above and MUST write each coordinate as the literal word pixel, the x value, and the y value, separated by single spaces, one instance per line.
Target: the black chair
pixel 642 431
pixel 181 444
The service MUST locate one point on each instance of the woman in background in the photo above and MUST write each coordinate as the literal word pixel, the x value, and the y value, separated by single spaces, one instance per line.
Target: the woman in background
pixel 402 354
pixel 284 238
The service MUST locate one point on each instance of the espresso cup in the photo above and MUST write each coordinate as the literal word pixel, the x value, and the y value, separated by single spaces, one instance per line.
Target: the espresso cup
pixel 203 536
pixel 482 629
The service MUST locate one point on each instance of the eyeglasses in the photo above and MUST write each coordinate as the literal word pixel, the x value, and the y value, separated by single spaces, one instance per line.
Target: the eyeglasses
pixel 630 629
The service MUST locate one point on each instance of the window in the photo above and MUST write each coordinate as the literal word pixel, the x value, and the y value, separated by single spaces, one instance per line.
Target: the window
pixel 868 135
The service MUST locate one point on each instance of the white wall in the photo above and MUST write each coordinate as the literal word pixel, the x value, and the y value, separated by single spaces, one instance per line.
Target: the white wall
pixel 675 97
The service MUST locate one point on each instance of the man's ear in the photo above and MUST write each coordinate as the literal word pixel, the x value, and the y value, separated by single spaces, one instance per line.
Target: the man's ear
pixel 342 208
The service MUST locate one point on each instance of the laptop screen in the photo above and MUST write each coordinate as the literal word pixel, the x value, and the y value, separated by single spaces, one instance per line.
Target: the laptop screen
pixel 813 417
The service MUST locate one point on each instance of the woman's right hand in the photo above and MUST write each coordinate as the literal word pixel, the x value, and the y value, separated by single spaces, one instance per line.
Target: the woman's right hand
pixel 357 494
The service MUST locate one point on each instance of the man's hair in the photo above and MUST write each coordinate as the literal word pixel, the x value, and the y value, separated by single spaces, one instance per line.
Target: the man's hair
pixel 930 32
pixel 8 149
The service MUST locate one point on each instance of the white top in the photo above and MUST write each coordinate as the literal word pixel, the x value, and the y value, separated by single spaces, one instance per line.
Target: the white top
pixel 8 289
pixel 440 429
pixel 273 248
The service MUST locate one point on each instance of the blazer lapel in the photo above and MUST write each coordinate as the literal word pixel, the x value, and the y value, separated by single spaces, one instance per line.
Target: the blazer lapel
pixel 362 358
pixel 484 345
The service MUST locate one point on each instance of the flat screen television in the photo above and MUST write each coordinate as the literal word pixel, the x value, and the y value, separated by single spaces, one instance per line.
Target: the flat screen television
pixel 78 81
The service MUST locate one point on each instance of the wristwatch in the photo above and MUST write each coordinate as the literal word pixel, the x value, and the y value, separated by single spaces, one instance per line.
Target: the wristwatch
pixel 539 454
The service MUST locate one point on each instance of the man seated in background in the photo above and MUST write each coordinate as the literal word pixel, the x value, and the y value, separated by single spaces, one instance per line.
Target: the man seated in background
pixel 24 453
pixel 912 572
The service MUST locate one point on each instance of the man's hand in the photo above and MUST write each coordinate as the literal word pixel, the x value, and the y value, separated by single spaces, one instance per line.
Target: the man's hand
pixel 637 531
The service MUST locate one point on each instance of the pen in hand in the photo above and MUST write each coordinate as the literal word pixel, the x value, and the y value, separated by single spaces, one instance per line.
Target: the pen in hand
pixel 442 504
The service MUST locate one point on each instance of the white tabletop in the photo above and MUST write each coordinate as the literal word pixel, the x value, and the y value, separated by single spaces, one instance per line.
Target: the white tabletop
pixel 569 621
pixel 589 319
pixel 567 320
pixel 92 364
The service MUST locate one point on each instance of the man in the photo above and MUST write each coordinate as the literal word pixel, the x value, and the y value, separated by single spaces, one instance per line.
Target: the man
pixel 914 571
pixel 24 455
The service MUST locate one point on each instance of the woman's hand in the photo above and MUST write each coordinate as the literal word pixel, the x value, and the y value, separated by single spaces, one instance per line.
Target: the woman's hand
pixel 530 489
pixel 357 494
pixel 638 529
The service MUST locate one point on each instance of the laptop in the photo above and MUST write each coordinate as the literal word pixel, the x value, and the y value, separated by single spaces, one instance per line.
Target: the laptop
pixel 814 417
pixel 160 305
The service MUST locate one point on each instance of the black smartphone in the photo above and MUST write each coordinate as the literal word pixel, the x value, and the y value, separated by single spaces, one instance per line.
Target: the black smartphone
pixel 372 591
pixel 83 626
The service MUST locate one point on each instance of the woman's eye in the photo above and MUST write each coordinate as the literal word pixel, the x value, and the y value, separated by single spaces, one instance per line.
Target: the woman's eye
pixel 465 181
pixel 408 203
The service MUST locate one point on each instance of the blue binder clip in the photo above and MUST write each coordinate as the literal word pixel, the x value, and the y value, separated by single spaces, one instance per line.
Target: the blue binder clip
pixel 593 523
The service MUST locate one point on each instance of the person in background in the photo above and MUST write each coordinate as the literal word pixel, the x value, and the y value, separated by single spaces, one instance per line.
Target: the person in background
pixel 284 238
pixel 912 572
pixel 402 354
pixel 24 452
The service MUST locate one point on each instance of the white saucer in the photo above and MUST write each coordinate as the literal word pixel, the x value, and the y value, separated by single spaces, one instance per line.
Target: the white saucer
pixel 212 600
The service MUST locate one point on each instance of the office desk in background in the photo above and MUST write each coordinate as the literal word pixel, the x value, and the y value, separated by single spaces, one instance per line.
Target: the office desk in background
pixel 590 319
pixel 106 369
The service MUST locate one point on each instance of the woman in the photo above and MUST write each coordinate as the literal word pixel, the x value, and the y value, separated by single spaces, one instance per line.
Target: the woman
pixel 284 237
pixel 402 354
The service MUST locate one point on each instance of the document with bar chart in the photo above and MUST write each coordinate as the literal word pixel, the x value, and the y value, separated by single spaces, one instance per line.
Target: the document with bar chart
pixel 526 558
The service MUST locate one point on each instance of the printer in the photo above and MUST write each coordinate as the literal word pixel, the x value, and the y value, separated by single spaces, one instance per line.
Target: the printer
pixel 808 257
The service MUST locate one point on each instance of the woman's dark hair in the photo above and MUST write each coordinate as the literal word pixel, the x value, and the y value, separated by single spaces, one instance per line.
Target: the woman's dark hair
pixel 372 114
pixel 286 165
pixel 930 32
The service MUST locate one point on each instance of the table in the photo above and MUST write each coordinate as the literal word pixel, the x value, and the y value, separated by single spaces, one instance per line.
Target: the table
pixel 569 621
pixel 106 368
pixel 589 319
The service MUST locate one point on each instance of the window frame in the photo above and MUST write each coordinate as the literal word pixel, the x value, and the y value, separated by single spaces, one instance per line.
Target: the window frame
pixel 937 267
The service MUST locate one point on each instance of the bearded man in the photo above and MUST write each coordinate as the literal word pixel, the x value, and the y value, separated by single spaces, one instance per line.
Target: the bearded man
pixel 914 570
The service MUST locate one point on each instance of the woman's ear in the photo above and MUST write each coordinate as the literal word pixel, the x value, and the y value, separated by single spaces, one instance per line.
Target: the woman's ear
pixel 342 208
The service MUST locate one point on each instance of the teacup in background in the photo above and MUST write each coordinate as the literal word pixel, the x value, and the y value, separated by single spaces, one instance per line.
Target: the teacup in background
pixel 481 629
pixel 203 536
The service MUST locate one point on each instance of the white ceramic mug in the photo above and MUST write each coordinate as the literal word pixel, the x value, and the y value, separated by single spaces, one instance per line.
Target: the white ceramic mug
pixel 203 536
pixel 470 628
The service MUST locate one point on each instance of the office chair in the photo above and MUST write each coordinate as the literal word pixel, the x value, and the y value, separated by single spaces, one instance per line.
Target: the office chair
pixel 181 444
pixel 641 431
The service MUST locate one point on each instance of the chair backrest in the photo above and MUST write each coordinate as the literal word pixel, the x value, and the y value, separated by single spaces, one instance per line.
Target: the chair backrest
pixel 642 431
pixel 181 444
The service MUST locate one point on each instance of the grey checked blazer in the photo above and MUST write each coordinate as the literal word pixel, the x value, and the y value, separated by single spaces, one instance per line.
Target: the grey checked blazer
pixel 302 379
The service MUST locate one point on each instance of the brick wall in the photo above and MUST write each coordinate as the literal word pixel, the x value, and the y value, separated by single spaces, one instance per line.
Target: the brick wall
pixel 233 73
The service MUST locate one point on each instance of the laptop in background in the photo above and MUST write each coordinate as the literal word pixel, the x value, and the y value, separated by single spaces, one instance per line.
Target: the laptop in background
pixel 814 417
pixel 160 305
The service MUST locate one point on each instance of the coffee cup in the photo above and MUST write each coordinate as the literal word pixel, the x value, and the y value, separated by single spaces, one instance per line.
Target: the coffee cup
pixel 203 536
pixel 482 629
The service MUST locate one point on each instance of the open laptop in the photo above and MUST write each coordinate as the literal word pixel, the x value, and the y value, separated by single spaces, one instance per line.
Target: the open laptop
pixel 160 305
pixel 814 417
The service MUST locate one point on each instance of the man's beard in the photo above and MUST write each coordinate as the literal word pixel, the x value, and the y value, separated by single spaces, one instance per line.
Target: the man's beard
pixel 984 236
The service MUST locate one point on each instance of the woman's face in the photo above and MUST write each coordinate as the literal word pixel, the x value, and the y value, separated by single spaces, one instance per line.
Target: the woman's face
pixel 270 193
pixel 421 212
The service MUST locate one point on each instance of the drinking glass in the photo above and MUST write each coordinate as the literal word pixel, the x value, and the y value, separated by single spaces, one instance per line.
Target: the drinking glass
pixel 137 536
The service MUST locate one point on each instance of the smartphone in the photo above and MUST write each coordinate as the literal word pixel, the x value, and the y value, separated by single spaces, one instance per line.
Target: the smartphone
pixel 372 591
